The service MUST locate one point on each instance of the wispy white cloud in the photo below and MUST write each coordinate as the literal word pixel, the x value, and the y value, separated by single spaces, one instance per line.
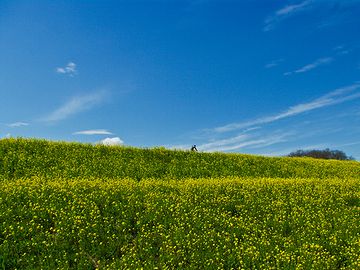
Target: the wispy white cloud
pixel 93 132
pixel 349 144
pixel 244 141
pixel 69 69
pixel 315 64
pixel 216 144
pixel 18 124
pixel 341 16
pixel 75 105
pixel 273 63
pixel 341 50
pixel 112 141
pixel 289 9
pixel 219 144
pixel 285 12
pixel 251 129
pixel 336 96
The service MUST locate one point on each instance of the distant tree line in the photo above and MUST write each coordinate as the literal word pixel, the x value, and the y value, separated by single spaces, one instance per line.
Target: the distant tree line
pixel 322 154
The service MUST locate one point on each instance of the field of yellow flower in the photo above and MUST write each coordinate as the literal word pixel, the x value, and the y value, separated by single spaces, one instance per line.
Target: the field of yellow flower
pixel 62 220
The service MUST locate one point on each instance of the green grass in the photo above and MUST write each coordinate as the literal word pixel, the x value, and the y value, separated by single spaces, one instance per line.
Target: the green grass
pixel 76 206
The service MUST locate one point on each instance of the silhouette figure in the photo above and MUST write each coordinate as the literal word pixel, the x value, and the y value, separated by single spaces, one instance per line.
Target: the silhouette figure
pixel 193 148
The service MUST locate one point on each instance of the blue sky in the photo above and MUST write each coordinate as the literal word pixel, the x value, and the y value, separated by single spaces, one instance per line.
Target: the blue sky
pixel 251 76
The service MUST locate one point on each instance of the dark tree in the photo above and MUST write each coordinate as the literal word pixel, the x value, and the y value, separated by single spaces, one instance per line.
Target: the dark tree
pixel 323 154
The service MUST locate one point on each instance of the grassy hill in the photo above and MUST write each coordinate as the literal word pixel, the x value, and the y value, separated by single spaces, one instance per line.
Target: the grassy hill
pixel 78 206
pixel 25 158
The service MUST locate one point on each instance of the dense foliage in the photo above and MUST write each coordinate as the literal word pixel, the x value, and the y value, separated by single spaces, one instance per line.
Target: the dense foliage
pixel 77 206
pixel 323 154
pixel 25 158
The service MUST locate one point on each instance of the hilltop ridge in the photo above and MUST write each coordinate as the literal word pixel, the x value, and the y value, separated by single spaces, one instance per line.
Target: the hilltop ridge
pixel 32 157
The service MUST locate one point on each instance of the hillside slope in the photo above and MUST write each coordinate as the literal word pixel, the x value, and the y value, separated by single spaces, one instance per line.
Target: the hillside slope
pixel 79 206
pixel 29 157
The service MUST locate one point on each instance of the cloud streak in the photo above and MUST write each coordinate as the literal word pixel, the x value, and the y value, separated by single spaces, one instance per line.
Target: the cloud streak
pixel 340 17
pixel 75 105
pixel 283 13
pixel 218 144
pixel 18 124
pixel 315 64
pixel 334 97
pixel 273 63
pixel 93 132
pixel 244 141
pixel 69 69
pixel 287 10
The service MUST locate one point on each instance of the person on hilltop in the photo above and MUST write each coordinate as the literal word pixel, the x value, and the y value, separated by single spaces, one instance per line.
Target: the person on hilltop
pixel 193 148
